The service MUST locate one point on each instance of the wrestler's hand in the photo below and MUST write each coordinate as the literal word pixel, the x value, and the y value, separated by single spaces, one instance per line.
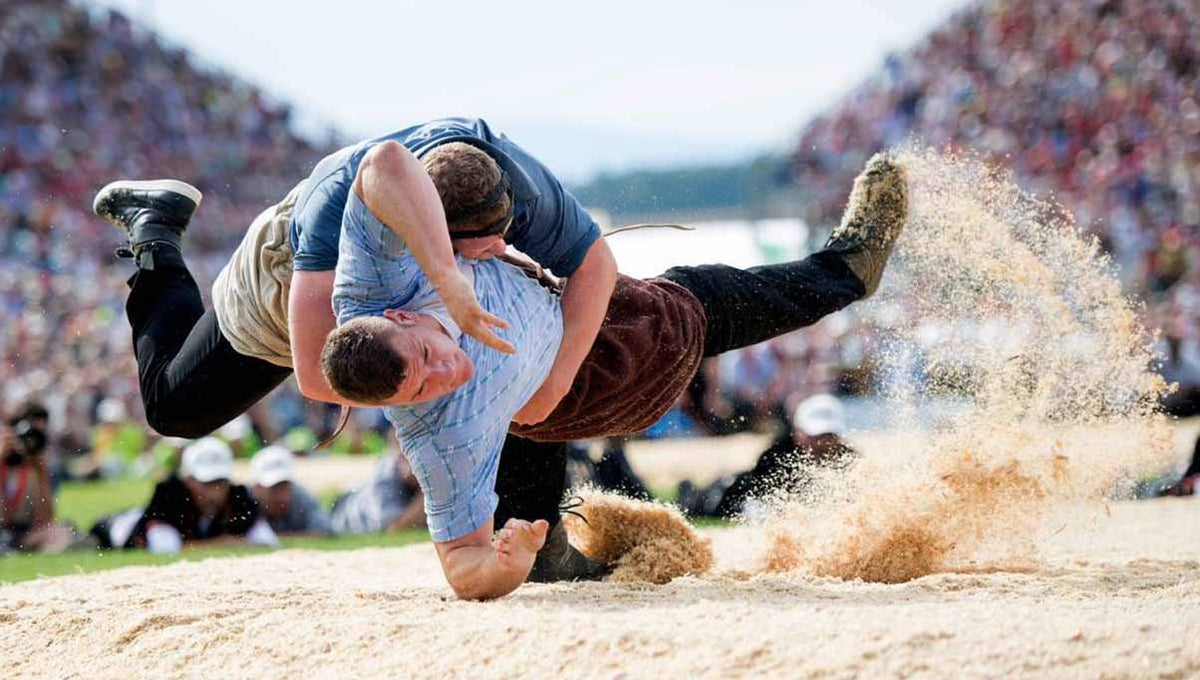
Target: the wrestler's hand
pixel 543 402
pixel 456 291
pixel 518 542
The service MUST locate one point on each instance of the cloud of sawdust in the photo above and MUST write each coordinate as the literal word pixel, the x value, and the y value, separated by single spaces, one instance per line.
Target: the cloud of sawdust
pixel 998 299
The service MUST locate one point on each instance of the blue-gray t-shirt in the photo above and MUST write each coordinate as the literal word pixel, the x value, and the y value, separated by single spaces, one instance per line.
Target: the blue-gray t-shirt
pixel 549 225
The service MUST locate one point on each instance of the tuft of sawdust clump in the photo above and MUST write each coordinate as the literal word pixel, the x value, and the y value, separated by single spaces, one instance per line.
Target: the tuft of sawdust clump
pixel 645 542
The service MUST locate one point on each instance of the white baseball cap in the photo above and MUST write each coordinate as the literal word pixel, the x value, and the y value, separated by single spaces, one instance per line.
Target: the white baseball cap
pixel 111 411
pixel 207 460
pixel 272 465
pixel 820 414
pixel 238 428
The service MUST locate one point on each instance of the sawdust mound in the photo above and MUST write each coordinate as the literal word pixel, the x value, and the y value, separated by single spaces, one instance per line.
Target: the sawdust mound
pixel 645 542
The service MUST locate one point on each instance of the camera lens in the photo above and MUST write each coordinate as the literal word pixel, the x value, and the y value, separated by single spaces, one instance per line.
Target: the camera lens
pixel 31 441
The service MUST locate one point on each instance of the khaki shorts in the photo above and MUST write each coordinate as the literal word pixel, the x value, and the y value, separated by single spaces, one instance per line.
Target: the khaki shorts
pixel 250 295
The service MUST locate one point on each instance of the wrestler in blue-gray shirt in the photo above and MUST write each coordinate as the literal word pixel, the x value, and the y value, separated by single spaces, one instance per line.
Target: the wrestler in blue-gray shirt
pixel 546 223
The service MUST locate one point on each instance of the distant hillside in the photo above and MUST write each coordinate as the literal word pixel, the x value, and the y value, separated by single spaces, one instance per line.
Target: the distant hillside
pixel 744 190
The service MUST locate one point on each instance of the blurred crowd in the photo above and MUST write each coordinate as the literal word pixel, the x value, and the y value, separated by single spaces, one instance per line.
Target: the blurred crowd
pixel 197 499
pixel 87 97
pixel 1094 101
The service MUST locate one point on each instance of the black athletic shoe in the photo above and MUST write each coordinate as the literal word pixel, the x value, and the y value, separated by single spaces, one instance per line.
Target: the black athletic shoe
pixel 558 560
pixel 149 212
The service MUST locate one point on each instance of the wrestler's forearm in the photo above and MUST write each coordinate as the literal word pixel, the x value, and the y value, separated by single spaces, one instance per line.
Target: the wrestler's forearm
pixel 584 304
pixel 396 189
pixel 475 574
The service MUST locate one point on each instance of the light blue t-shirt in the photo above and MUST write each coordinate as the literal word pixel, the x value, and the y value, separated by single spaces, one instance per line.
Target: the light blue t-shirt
pixel 452 443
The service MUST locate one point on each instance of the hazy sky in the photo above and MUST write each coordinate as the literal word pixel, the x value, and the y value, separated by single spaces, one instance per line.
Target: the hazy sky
pixel 588 86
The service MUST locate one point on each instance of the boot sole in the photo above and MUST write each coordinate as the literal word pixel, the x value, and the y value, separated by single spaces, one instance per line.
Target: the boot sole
pixel 173 185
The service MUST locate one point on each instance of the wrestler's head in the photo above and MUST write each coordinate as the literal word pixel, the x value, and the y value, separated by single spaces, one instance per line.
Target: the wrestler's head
pixel 475 196
pixel 397 359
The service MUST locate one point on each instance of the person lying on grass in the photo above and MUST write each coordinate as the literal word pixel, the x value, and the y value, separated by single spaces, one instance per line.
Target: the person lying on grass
pixel 452 400
pixel 198 506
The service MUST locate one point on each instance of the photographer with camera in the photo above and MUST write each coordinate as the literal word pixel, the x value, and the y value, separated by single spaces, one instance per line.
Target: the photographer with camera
pixel 26 497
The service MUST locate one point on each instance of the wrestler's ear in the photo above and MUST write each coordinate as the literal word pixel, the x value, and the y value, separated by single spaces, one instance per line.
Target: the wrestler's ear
pixel 401 316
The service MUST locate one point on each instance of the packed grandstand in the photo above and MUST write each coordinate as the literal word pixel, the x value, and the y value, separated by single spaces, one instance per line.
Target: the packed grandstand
pixel 1094 102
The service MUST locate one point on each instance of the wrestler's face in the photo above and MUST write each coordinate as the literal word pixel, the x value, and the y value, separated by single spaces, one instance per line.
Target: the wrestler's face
pixel 482 248
pixel 434 364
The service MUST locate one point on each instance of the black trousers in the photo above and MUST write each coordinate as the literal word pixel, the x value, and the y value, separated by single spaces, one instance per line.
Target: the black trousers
pixel 531 481
pixel 747 306
pixel 193 382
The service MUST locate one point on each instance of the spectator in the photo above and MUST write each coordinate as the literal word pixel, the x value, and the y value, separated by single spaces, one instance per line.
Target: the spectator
pixel 389 501
pixel 287 506
pixel 611 473
pixel 1094 102
pixel 199 505
pixel 26 497
pixel 86 94
pixel 814 440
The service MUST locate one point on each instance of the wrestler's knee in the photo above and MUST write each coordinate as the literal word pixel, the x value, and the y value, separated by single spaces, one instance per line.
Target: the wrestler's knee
pixel 174 420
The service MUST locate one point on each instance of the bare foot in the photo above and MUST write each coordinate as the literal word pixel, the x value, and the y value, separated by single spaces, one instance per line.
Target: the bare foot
pixel 518 542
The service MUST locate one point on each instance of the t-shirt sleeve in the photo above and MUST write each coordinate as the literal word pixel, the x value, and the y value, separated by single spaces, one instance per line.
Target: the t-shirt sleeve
pixel 558 232
pixel 375 270
pixel 317 221
pixel 458 478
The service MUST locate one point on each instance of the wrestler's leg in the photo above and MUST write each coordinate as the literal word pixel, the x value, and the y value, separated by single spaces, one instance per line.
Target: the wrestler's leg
pixel 192 380
pixel 531 483
pixel 531 480
pixel 747 306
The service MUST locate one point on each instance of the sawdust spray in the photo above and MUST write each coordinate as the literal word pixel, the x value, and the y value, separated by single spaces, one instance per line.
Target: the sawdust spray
pixel 994 302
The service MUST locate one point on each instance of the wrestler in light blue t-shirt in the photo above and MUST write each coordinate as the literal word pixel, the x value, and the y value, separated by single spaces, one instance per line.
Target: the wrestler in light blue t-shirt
pixel 452 443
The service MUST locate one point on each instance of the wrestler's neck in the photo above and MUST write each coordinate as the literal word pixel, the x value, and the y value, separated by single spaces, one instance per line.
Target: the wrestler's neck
pixel 430 322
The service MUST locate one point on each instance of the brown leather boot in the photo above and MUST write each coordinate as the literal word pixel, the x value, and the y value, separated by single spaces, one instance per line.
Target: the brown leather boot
pixel 874 217
pixel 558 560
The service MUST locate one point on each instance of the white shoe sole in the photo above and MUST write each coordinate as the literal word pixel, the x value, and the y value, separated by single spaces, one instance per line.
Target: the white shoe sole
pixel 174 185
